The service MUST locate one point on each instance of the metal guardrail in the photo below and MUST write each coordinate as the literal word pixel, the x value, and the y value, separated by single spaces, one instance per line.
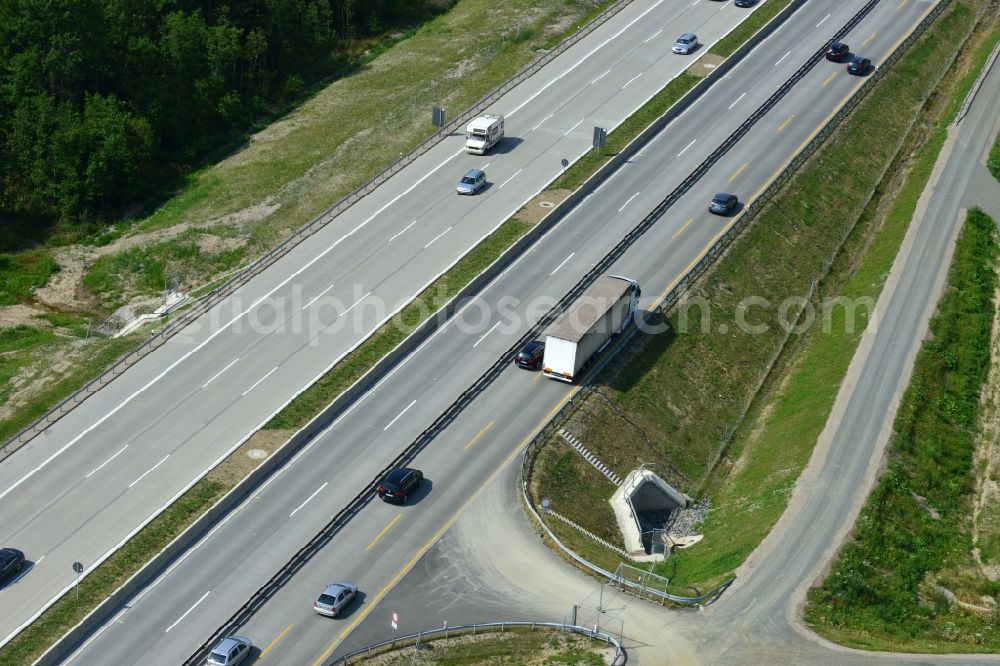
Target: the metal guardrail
pixel 338 521
pixel 620 658
pixel 244 275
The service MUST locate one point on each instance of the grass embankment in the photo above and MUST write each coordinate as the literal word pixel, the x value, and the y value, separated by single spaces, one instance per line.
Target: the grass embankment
pixel 515 646
pixel 27 646
pixel 674 398
pixel 891 586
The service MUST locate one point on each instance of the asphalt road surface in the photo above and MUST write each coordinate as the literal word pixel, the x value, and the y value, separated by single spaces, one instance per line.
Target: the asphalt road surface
pixel 95 477
pixel 380 545
pixel 491 566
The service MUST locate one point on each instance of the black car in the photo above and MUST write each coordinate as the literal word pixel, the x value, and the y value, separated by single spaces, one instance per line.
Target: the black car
pixel 11 562
pixel 837 51
pixel 399 483
pixel 859 66
pixel 744 3
pixel 723 204
pixel 531 355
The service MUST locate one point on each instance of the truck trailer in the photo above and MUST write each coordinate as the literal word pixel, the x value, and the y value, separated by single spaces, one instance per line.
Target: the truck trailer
pixel 483 133
pixel 579 335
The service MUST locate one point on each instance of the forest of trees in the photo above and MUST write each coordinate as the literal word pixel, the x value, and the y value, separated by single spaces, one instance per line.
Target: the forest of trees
pixel 102 102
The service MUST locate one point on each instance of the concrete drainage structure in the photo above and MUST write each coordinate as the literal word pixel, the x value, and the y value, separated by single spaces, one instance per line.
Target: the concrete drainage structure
pixel 642 505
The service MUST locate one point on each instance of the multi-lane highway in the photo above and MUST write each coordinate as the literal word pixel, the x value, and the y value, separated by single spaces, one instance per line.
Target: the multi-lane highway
pixel 95 477
pixel 491 566
pixel 379 545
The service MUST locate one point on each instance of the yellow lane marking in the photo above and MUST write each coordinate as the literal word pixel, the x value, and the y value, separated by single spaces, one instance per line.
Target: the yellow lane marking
pixel 538 375
pixel 384 530
pixel 901 4
pixel 830 78
pixel 369 606
pixel 681 230
pixel 739 171
pixel 274 642
pixel 785 124
pixel 480 434
pixel 870 38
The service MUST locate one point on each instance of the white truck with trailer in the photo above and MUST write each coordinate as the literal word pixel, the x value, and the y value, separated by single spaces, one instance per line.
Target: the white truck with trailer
pixel 579 335
pixel 483 133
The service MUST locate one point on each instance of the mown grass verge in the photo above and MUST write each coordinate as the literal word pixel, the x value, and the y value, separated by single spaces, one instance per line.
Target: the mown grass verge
pixel 674 398
pixel 912 545
pixel 728 44
pixel 27 646
pixel 29 346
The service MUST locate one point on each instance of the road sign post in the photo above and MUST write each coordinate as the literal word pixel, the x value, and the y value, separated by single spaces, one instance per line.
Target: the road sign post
pixel 78 568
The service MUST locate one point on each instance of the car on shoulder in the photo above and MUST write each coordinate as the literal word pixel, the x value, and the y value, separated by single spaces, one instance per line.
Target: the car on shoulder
pixel 472 182
pixel 859 66
pixel 399 483
pixel 230 651
pixel 837 51
pixel 11 562
pixel 685 44
pixel 334 599
pixel 530 355
pixel 723 203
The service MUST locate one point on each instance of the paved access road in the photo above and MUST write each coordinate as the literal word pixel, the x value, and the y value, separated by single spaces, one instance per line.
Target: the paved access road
pixel 100 473
pixel 491 565
pixel 380 544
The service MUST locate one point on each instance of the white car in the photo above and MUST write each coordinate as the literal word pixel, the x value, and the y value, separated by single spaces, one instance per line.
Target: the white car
pixel 686 43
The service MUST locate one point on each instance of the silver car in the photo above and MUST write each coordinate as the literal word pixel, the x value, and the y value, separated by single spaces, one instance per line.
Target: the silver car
pixel 685 43
pixel 472 182
pixel 334 598
pixel 230 651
